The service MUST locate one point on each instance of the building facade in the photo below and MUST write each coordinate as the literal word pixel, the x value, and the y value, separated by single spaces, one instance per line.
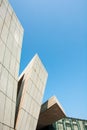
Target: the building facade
pixel 68 124
pixel 11 35
pixel 50 112
pixel 21 98
pixel 53 117
pixel 30 93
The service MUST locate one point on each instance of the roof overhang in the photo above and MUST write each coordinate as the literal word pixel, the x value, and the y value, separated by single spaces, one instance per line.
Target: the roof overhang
pixel 51 111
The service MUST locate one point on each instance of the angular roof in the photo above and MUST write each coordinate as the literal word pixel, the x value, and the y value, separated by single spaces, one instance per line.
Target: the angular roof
pixel 36 57
pixel 51 111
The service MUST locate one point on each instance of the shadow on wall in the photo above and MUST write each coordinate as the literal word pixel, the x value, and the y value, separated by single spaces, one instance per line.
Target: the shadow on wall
pixel 18 98
pixel 43 108
pixel 51 127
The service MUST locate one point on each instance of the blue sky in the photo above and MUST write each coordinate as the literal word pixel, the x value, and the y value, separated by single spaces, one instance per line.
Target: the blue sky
pixel 57 31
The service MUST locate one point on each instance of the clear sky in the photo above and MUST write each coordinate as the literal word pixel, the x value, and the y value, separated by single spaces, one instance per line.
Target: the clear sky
pixel 57 31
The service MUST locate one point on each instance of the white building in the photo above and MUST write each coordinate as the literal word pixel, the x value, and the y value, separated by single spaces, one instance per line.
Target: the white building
pixel 11 34
pixel 31 87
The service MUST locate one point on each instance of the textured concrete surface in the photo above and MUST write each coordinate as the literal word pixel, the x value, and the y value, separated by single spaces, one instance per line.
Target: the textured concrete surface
pixel 31 87
pixel 11 34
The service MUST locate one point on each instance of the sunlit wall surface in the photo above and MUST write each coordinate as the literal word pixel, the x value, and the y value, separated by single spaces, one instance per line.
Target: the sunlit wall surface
pixel 11 33
pixel 30 93
pixel 68 124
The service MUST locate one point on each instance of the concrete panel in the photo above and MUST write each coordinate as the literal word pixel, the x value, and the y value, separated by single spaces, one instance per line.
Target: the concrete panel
pixel 2 103
pixel 5 127
pixel 1 126
pixel 16 34
pixel 27 126
pixel 8 18
pixel 10 9
pixel 29 96
pixel 1 24
pixel 16 70
pixel 12 65
pixel 0 68
pixel 2 51
pixel 4 33
pixel 14 52
pixel 13 107
pixel 10 42
pixel 23 124
pixel 7 116
pixel 10 87
pixel 7 58
pixel 3 80
pixel 20 119
pixel 0 2
pixel 12 26
pixel 3 9
pixel 14 90
pixel 18 54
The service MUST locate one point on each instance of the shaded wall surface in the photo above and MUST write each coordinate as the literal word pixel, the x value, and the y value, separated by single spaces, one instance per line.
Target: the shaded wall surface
pixel 68 124
pixel 11 34
pixel 30 93
pixel 50 112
